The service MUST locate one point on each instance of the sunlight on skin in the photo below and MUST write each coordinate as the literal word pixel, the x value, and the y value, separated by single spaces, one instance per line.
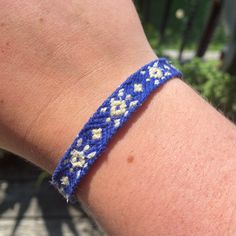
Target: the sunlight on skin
pixel 59 62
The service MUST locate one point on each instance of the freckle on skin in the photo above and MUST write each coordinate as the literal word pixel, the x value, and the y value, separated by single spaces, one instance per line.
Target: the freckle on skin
pixel 1 101
pixel 41 20
pixel 7 43
pixel 2 24
pixel 130 159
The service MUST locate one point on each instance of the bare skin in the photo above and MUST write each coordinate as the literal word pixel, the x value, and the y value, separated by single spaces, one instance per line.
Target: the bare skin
pixel 170 171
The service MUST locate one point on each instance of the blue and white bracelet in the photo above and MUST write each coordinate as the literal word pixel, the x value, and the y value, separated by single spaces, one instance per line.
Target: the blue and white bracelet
pixel 109 117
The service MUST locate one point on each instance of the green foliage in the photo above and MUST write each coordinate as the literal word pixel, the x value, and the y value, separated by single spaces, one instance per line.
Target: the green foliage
pixel 175 25
pixel 216 86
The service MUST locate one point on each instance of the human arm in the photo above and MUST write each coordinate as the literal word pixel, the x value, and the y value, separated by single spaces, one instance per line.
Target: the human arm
pixel 169 171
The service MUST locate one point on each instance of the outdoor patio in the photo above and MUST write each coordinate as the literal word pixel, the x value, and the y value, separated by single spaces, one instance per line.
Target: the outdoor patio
pixel 28 207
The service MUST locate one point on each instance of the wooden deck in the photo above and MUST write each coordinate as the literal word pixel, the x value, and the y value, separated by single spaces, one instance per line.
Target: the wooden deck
pixel 36 209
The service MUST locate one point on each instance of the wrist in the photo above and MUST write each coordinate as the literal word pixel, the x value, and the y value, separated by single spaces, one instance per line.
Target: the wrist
pixel 53 131
pixel 153 174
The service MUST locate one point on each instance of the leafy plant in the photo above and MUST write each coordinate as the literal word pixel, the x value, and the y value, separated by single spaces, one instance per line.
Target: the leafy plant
pixel 215 85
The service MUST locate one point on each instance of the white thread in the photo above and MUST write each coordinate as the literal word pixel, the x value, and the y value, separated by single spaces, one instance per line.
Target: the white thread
pixel 155 72
pixel 126 113
pixel 133 103
pixel 103 109
pixel 91 155
pixel 78 163
pixel 128 97
pixel 138 87
pixel 117 123
pixel 79 142
pixel 65 180
pixel 97 133
pixel 78 174
pixel 74 153
pixel 118 107
pixel 108 119
pixel 86 148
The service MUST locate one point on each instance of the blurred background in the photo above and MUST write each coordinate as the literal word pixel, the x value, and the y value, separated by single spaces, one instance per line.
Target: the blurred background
pixel 199 36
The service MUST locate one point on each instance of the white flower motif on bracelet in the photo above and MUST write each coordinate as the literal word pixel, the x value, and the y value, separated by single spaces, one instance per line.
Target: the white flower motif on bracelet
pixel 118 107
pixel 138 87
pixel 111 115
pixel 97 133
pixel 155 72
pixel 77 158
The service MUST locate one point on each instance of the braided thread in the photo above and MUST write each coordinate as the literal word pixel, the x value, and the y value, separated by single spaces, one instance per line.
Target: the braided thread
pixel 109 117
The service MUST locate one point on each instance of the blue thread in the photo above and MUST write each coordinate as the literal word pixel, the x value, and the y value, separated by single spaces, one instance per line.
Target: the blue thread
pixel 110 116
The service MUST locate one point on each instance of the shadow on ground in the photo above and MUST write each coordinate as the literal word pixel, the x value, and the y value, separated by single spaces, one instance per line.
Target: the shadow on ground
pixel 29 206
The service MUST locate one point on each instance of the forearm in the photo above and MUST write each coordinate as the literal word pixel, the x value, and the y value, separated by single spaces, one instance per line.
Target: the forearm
pixel 169 170
pixel 57 68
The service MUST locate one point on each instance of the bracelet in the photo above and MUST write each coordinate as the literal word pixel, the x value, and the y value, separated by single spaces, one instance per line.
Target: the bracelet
pixel 109 117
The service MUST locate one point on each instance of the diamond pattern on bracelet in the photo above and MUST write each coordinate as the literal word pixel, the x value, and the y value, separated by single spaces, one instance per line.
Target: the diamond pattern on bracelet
pixel 110 116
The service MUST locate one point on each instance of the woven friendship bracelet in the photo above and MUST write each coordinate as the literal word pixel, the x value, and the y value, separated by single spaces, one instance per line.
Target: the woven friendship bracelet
pixel 109 117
